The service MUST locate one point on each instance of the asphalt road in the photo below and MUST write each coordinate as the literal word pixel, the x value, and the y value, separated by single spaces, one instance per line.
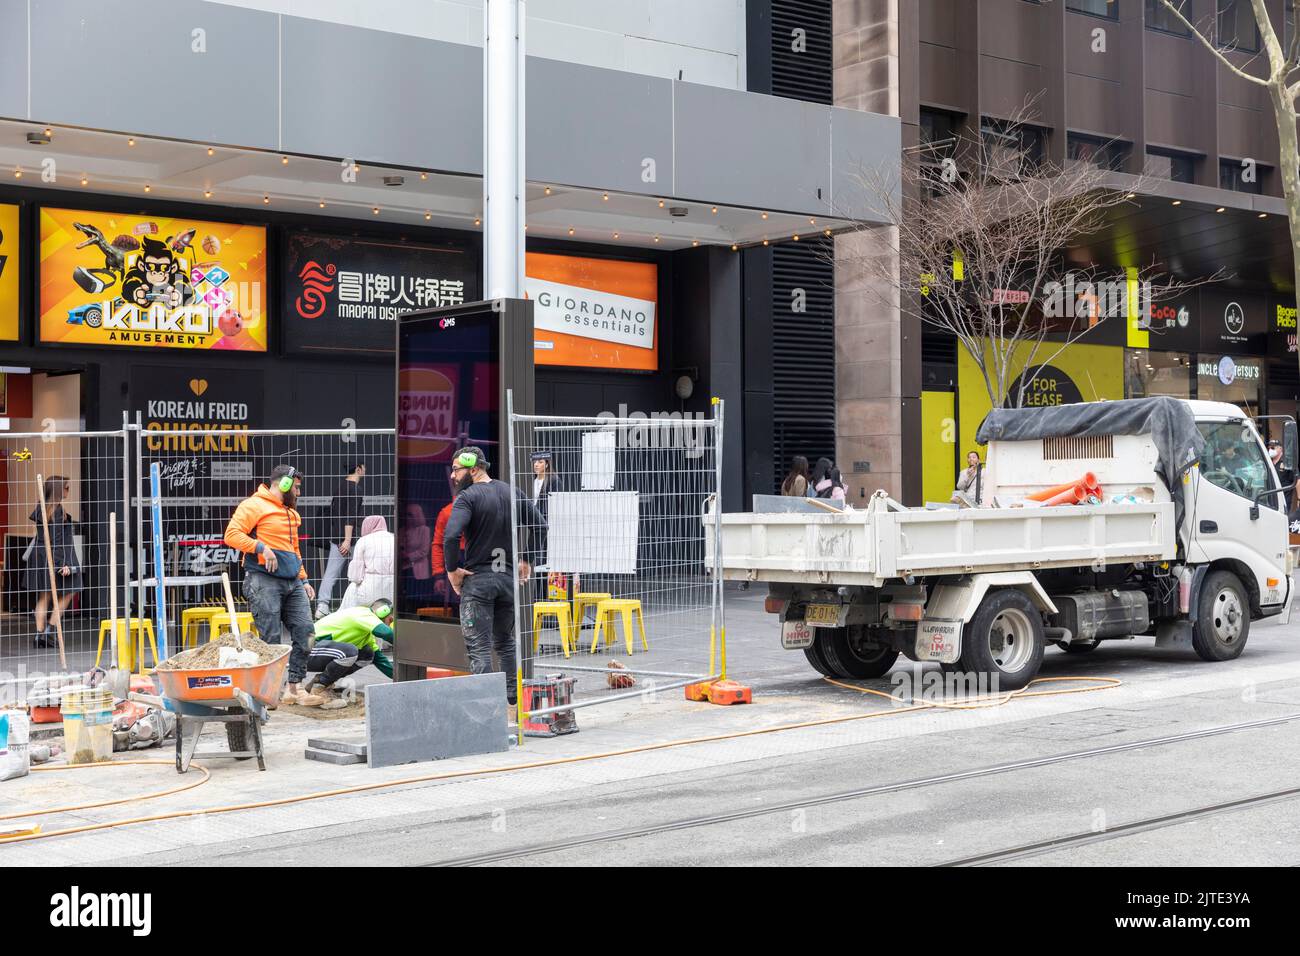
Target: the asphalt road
pixel 785 816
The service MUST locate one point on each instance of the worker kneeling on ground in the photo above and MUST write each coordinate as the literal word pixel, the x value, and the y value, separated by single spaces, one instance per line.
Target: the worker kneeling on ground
pixel 347 641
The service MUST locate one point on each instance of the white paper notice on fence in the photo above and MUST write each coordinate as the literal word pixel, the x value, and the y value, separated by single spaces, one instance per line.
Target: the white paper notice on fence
pixel 592 532
pixel 598 460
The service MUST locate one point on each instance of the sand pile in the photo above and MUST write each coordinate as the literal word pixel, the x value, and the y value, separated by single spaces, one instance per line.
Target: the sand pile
pixel 206 656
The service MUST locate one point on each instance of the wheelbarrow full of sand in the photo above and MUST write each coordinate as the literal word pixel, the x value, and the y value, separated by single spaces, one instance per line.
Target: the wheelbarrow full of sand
pixel 205 685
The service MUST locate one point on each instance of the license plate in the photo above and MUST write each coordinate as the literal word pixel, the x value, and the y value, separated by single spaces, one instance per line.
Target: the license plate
pixel 938 641
pixel 796 635
pixel 823 615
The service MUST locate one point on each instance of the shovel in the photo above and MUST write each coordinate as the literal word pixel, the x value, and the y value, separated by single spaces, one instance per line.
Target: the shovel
pixel 234 656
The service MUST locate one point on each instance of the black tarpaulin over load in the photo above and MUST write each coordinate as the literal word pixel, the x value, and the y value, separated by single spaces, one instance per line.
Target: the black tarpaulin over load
pixel 1168 421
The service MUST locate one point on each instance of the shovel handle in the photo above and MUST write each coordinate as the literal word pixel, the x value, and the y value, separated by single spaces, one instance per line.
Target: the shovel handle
pixel 230 607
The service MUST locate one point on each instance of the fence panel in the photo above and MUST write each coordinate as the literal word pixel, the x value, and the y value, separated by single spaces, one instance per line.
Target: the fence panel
pixel 205 474
pixel 80 475
pixel 617 545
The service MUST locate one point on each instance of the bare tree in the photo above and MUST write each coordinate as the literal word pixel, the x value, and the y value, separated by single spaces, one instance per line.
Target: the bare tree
pixel 979 244
pixel 1282 82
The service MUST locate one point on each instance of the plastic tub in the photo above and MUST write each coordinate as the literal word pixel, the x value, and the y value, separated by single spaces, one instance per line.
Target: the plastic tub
pixel 88 724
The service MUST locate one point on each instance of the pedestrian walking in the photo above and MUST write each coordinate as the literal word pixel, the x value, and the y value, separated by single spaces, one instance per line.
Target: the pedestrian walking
pixel 826 481
pixel 370 572
pixel 796 482
pixel 265 527
pixel 66 566
pixel 545 481
pixel 970 483
pixel 344 521
pixel 482 575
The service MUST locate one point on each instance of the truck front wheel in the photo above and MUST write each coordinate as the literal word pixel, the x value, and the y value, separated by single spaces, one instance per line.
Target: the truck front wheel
pixel 847 653
pixel 1004 640
pixel 1222 618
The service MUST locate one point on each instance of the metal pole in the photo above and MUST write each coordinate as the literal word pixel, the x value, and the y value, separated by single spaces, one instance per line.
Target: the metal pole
pixel 126 542
pixel 717 544
pixel 137 497
pixel 520 713
pixel 503 148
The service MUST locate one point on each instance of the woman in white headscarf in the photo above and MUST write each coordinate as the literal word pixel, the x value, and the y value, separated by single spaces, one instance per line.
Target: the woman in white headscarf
pixel 371 569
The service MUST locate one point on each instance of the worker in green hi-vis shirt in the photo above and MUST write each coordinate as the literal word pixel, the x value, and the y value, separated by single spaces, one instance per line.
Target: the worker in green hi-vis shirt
pixel 347 641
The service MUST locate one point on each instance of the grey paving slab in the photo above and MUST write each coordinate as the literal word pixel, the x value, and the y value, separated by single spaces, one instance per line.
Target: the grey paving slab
pixel 435 719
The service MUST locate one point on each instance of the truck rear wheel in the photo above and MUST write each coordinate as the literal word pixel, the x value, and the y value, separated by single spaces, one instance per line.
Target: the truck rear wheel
pixel 1222 618
pixel 1004 640
pixel 816 657
pixel 847 653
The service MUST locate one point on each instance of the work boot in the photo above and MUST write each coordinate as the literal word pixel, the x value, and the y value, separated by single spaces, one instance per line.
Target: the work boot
pixel 330 698
pixel 301 698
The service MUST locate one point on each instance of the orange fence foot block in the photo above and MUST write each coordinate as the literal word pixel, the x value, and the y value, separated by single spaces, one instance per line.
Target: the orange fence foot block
pixel 729 692
pixel 698 692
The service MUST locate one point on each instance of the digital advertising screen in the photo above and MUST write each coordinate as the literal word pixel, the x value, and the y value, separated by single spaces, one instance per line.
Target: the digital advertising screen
pixel 593 313
pixel 151 282
pixel 448 382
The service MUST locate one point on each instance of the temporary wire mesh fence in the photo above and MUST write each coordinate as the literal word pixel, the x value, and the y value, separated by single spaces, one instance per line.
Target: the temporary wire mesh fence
pixel 92 480
pixel 347 477
pixel 612 517
pixel 60 493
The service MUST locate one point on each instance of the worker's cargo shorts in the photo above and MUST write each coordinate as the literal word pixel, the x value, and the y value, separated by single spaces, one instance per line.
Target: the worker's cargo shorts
pixel 275 601
pixel 487 619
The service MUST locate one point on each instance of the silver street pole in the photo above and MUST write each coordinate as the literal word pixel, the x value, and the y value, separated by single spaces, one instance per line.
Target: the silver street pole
pixel 503 148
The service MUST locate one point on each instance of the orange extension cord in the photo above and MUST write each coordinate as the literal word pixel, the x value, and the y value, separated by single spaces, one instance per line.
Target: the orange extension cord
pixel 1022 694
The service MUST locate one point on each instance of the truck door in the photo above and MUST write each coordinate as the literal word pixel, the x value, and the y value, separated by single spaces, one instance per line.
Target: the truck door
pixel 1234 469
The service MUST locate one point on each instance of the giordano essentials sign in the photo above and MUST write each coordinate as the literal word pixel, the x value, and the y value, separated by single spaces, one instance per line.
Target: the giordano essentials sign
pixel 594 313
pixel 151 281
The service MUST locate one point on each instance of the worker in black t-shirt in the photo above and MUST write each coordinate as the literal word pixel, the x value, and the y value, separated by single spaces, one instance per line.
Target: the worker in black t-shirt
pixel 344 526
pixel 482 576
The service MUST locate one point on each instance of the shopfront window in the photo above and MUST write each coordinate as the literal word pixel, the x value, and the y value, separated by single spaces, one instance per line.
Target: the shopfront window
pixel 1233 460
pixel 1148 372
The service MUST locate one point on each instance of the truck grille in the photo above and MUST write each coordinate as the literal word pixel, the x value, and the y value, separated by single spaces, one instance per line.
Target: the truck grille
pixel 1062 448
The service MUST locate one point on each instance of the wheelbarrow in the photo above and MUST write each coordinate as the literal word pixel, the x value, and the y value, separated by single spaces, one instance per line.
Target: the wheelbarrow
pixel 234 696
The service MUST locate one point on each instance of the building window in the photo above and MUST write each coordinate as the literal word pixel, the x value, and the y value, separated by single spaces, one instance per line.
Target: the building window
pixel 939 132
pixel 1175 167
pixel 1104 153
pixel 1011 150
pixel 1148 373
pixel 1160 17
pixel 1097 8
pixel 1241 177
pixel 1237 27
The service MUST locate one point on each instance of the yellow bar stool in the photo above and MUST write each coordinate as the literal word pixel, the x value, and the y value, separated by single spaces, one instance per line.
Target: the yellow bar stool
pixel 581 601
pixel 626 609
pixel 130 650
pixel 193 620
pixel 220 620
pixel 558 610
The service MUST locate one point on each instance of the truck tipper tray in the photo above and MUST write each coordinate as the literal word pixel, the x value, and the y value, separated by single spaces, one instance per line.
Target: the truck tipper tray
pixel 887 541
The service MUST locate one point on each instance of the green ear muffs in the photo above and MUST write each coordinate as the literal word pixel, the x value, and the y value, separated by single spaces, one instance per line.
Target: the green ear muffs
pixel 382 611
pixel 286 482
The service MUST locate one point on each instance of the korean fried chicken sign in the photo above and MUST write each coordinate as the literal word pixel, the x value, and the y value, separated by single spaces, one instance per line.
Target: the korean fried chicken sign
pixel 151 281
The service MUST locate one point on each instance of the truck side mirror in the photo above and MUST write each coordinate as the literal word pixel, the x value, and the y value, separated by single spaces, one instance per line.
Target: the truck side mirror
pixel 1290 444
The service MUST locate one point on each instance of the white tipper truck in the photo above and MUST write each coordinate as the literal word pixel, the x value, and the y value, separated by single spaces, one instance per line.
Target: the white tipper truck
pixel 984 590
